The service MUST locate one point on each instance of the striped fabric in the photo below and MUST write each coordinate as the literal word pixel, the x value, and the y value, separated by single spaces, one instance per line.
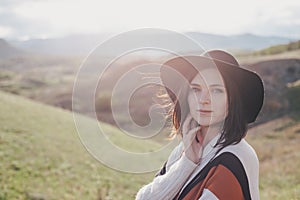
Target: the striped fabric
pixel 231 174
pixel 225 177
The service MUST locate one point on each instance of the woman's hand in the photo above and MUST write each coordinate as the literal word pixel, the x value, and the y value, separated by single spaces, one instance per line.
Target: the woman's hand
pixel 192 139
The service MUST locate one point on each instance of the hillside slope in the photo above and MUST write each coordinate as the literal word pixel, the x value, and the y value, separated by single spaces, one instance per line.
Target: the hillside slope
pixel 292 46
pixel 248 59
pixel 277 146
pixel 8 51
pixel 42 157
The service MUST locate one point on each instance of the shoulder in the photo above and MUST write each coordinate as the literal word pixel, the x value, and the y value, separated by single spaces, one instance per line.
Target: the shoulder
pixel 224 176
pixel 244 152
pixel 241 159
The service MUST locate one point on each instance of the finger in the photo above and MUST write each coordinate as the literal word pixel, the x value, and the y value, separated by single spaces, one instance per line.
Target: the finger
pixel 189 137
pixel 190 134
pixel 194 130
pixel 194 123
pixel 186 123
pixel 187 120
pixel 200 152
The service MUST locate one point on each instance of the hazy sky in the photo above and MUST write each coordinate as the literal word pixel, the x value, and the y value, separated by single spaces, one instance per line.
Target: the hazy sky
pixel 55 18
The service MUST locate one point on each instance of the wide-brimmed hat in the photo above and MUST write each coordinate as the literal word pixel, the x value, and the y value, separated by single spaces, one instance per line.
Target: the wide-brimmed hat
pixel 249 84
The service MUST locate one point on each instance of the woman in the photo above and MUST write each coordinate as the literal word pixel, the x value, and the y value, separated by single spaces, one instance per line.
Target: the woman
pixel 214 100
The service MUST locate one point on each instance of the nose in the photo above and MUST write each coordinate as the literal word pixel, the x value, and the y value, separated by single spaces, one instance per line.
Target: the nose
pixel 205 98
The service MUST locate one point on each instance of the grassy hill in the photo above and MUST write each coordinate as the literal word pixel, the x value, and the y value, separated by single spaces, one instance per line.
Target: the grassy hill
pixel 248 59
pixel 42 157
pixel 278 149
pixel 279 48
pixel 283 51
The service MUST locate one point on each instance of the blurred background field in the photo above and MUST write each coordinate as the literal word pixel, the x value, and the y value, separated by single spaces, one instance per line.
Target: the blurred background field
pixel 43 44
pixel 43 158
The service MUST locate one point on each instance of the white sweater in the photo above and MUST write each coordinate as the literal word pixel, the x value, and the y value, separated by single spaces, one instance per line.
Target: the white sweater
pixel 180 171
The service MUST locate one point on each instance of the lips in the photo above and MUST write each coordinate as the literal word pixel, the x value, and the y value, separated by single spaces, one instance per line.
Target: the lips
pixel 205 111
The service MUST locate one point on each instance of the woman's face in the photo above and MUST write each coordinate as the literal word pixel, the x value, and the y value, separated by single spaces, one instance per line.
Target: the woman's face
pixel 207 98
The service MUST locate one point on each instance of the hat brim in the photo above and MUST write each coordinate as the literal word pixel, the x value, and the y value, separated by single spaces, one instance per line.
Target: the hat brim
pixel 182 69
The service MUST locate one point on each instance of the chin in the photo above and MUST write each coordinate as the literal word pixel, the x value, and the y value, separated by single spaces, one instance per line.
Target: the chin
pixel 207 121
pixel 204 121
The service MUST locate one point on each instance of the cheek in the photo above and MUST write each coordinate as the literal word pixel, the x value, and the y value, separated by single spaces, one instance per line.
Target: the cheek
pixel 192 101
pixel 220 105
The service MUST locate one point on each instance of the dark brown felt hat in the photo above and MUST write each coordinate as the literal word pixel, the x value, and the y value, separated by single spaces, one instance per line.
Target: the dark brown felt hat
pixel 182 69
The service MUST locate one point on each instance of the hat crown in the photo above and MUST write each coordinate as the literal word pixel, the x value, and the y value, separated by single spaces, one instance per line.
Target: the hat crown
pixel 249 84
pixel 222 56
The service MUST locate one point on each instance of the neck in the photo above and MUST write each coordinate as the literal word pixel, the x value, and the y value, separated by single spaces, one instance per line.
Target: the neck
pixel 209 132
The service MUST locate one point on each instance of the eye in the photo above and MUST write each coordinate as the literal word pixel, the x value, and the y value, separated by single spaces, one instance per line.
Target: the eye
pixel 196 89
pixel 217 90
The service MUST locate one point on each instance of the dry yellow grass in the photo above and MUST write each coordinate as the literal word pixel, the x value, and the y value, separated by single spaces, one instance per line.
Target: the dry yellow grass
pixel 250 59
pixel 278 149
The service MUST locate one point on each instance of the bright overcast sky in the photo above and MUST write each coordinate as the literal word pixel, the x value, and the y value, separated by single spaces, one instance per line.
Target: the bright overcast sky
pixel 55 18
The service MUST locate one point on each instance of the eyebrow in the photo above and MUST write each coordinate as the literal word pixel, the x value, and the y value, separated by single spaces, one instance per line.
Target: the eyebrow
pixel 212 85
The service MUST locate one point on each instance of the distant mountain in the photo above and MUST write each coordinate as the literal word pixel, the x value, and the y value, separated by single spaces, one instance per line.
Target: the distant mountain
pixel 237 42
pixel 70 45
pixel 83 44
pixel 7 50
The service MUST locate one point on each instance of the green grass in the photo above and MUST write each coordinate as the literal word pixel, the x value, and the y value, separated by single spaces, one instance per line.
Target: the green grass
pixel 42 156
pixel 249 59
pixel 278 149
pixel 276 49
pixel 293 95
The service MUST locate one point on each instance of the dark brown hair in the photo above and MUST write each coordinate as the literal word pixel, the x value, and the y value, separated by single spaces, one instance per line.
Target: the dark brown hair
pixel 235 125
